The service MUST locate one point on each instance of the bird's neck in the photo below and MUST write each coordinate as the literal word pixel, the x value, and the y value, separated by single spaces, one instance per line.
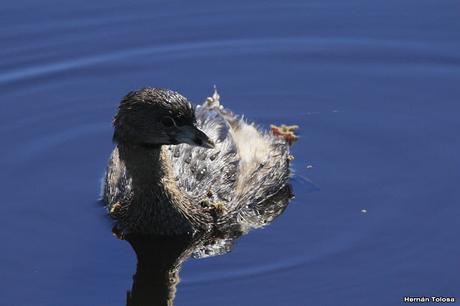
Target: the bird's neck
pixel 145 166
pixel 156 198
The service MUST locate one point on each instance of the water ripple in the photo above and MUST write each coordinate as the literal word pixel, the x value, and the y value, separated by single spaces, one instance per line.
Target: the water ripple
pixel 252 272
pixel 349 50
pixel 343 244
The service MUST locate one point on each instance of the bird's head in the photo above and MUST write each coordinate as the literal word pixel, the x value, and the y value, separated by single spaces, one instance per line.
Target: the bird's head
pixel 153 116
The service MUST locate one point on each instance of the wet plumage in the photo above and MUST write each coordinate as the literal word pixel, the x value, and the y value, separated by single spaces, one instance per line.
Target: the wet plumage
pixel 178 169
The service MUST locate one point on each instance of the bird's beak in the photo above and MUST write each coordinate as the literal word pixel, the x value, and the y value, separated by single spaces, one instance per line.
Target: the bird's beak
pixel 194 136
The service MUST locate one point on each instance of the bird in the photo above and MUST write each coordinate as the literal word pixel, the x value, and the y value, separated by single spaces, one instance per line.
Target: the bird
pixel 178 169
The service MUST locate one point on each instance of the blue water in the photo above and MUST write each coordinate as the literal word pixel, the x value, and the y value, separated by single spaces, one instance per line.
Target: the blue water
pixel 374 86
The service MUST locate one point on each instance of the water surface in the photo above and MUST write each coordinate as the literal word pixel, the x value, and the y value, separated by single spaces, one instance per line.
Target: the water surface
pixel 374 86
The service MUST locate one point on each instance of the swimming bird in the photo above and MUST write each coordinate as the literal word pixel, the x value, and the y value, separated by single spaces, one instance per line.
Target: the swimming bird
pixel 177 169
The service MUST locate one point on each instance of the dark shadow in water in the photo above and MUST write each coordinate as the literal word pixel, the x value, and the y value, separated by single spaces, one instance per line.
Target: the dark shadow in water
pixel 159 258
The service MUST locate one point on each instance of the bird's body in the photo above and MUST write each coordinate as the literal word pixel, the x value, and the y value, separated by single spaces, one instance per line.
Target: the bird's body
pixel 169 184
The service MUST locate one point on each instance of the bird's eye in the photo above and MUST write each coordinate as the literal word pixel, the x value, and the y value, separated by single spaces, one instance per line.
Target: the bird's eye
pixel 168 121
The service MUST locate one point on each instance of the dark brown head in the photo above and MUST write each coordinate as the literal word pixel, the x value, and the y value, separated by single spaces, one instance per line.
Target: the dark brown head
pixel 153 116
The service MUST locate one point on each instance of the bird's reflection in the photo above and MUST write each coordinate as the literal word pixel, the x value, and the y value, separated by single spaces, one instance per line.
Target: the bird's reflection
pixel 159 258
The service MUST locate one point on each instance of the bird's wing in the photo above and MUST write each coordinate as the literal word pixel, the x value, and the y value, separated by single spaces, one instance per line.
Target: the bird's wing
pixel 117 186
pixel 208 176
pixel 246 167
